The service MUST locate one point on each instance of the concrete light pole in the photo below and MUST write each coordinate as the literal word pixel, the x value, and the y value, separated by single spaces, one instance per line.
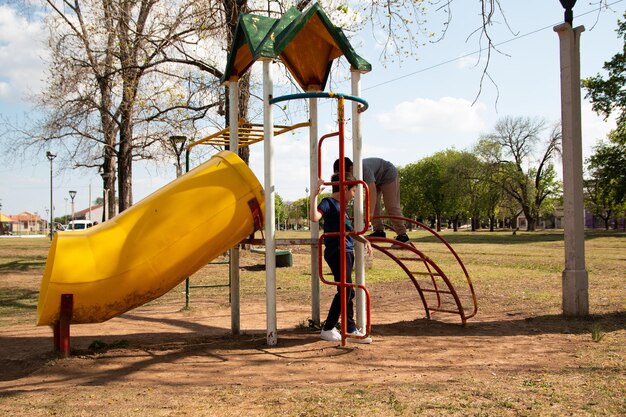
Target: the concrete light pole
pixel 574 277
pixel 50 157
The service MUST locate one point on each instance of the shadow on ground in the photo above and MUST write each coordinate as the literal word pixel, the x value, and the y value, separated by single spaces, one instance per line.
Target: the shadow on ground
pixel 206 341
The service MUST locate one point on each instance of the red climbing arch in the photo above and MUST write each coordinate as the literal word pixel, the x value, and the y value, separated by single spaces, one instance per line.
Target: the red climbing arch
pixel 440 291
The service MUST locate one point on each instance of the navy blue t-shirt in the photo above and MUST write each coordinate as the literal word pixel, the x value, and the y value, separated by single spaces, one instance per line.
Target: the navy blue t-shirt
pixel 329 207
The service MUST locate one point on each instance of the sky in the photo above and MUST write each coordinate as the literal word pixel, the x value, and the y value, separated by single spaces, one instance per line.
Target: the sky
pixel 426 103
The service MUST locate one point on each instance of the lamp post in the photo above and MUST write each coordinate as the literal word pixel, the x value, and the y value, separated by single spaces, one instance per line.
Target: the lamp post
pixel 50 157
pixel 568 5
pixel 575 278
pixel 72 195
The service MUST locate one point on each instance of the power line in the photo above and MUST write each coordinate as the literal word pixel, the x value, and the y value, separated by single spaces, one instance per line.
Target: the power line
pixel 326 101
pixel 482 49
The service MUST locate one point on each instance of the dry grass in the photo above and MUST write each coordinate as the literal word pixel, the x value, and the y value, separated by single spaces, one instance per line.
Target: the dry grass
pixel 517 357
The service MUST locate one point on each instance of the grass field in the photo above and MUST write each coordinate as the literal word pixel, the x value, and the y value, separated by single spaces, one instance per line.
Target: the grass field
pixel 517 357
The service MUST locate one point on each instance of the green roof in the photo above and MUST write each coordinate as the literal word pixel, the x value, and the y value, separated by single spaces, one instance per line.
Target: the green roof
pixel 306 42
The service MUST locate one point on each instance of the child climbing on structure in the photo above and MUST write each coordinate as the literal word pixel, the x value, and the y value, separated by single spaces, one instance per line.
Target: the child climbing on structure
pixel 329 209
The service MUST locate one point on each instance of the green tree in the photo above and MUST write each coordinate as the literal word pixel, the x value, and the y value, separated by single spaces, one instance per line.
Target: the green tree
pixel 490 189
pixel 280 210
pixel 409 192
pixel 598 200
pixel 461 185
pixel 608 95
pixel 421 189
pixel 606 186
pixel 301 206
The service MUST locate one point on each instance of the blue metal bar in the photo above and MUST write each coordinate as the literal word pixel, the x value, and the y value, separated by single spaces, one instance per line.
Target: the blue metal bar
pixel 320 94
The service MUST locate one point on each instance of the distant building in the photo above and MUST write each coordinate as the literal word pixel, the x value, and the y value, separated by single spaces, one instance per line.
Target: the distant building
pixel 26 223
pixel 549 221
pixel 556 221
pixel 93 213
pixel 595 222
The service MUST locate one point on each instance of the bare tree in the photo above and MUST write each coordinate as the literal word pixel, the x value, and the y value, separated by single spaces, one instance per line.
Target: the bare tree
pixel 527 178
pixel 113 64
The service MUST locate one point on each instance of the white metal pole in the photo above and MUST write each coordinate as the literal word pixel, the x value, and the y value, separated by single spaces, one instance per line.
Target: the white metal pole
pixel 357 170
pixel 315 230
pixel 575 277
pixel 270 217
pixel 233 123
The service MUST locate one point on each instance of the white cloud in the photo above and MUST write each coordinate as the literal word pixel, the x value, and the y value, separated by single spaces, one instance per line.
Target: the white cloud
pixel 468 61
pixel 21 52
pixel 449 114
pixel 291 165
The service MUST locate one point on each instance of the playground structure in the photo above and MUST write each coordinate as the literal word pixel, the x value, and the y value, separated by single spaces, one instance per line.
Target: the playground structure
pixel 147 250
pixel 307 43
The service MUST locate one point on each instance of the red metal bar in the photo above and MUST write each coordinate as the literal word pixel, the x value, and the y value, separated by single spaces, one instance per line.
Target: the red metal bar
pixel 319 151
pixel 452 251
pixel 61 327
pixel 437 291
pixel 342 233
pixel 430 265
pixel 373 241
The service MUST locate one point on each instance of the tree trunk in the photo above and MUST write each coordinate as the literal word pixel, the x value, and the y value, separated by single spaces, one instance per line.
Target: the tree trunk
pixel 108 183
pixel 531 224
pixel 109 158
pixel 125 165
pixel 105 83
pixel 125 157
pixel 234 8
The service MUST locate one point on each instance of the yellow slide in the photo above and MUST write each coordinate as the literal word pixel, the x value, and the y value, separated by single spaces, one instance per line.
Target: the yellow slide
pixel 150 248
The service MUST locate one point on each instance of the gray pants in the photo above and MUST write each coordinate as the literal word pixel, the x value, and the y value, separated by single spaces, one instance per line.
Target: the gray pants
pixel 390 194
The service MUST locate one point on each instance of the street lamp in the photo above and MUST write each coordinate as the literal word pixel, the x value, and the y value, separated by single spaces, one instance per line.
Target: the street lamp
pixel 568 5
pixel 72 195
pixel 50 157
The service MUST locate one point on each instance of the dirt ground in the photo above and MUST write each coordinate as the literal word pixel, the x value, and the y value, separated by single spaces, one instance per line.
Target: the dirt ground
pixel 161 360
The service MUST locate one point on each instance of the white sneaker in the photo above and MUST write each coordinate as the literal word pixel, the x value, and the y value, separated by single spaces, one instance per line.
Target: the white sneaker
pixel 359 333
pixel 331 335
